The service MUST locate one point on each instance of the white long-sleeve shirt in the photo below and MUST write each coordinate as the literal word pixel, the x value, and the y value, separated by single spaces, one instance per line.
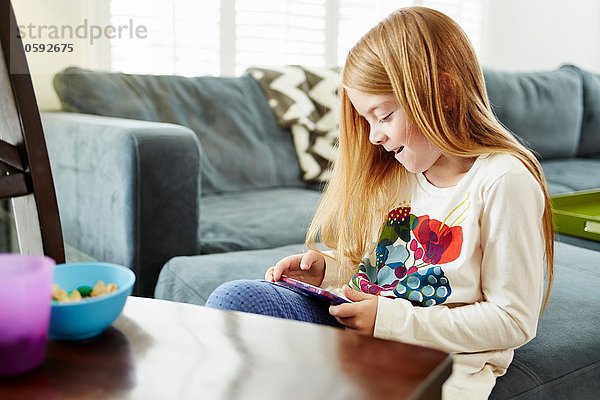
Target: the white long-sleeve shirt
pixel 461 269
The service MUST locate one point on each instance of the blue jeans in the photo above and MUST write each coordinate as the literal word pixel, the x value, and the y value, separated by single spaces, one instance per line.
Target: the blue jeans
pixel 265 298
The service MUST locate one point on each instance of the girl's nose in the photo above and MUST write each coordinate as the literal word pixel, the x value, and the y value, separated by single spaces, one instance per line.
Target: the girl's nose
pixel 376 137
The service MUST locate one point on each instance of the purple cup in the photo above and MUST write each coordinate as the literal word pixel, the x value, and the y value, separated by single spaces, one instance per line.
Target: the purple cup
pixel 25 302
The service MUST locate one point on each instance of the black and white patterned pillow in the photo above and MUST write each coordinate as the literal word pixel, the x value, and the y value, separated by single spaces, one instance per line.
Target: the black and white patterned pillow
pixel 306 100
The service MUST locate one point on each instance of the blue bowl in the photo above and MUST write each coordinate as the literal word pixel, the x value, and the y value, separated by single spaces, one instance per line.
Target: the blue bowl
pixel 90 316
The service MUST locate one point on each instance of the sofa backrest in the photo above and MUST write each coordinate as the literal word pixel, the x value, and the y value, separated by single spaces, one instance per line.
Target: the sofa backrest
pixel 544 109
pixel 243 147
pixel 590 127
pixel 556 113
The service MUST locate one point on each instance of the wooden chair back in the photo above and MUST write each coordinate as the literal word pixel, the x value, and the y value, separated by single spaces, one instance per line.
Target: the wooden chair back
pixel 26 177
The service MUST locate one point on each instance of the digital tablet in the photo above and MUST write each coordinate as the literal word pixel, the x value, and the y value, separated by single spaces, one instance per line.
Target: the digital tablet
pixel 310 290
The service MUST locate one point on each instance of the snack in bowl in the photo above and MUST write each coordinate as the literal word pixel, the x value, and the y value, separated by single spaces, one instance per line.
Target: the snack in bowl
pixel 90 316
pixel 100 289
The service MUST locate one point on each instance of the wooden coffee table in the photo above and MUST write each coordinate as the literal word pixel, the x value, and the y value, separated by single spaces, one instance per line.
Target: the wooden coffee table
pixel 164 350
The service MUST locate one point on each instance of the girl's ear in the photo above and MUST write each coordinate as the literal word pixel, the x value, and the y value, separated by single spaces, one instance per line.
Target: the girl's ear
pixel 447 91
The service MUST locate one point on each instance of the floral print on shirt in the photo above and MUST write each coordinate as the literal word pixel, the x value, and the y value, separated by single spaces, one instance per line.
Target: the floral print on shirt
pixel 410 252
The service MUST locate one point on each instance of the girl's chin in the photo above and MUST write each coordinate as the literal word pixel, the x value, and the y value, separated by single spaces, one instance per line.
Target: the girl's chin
pixel 400 157
pixel 409 166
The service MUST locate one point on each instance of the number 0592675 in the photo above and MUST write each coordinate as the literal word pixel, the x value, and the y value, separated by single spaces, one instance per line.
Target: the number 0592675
pixel 49 47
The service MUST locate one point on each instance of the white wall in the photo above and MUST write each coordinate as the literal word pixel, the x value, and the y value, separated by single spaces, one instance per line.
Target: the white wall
pixel 525 35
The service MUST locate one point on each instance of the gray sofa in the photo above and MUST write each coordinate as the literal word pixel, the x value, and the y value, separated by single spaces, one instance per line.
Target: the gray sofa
pixel 151 167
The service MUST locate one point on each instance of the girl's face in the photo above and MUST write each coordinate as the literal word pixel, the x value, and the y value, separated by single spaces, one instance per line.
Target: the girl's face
pixel 390 128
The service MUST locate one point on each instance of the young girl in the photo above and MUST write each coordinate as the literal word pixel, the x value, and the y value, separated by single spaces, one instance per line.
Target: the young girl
pixel 458 262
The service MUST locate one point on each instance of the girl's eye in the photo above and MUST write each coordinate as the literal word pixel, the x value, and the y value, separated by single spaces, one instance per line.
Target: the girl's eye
pixel 386 118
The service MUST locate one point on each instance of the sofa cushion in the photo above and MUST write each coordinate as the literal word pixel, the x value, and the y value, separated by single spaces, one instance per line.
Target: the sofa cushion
pixel 563 361
pixel 571 175
pixel 243 147
pixel 544 109
pixel 590 129
pixel 256 219
pixel 193 279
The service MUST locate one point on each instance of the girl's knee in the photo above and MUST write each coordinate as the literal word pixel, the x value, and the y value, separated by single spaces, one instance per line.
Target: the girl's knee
pixel 235 295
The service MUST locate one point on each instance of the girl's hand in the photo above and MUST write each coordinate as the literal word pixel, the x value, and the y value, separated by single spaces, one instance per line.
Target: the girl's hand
pixel 358 316
pixel 307 267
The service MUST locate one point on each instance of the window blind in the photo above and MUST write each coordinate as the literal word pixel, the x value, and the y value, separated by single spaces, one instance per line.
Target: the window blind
pixel 182 38
pixel 279 32
pixel 224 37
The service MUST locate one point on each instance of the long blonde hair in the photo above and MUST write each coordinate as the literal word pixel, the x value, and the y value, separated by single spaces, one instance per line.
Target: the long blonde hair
pixel 426 61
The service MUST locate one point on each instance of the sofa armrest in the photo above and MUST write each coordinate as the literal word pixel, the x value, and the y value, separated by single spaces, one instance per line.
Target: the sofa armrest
pixel 128 190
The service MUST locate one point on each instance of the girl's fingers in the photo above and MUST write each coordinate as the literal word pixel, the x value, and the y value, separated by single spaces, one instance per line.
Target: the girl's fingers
pixel 276 273
pixel 279 269
pixel 307 261
pixel 344 310
pixel 285 264
pixel 269 275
